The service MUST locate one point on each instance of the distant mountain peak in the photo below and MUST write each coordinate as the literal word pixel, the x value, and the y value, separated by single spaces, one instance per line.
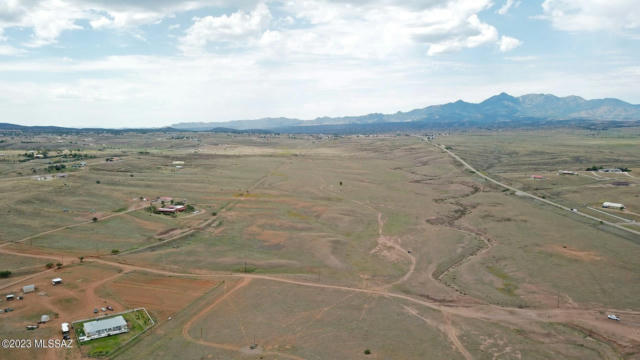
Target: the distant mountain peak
pixel 502 107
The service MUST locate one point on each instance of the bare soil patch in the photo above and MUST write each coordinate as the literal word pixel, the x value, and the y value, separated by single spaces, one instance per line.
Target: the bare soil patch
pixel 162 295
pixel 572 253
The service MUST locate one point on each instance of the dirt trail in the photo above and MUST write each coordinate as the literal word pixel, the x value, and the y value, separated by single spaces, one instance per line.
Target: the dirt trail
pixel 447 328
pixel 72 226
pixel 385 241
pixel 452 333
pixel 493 313
pixel 187 326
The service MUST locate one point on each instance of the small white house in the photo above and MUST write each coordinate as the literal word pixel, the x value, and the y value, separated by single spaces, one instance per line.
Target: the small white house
pixel 612 205
pixel 56 281
pixel 28 288
pixel 104 327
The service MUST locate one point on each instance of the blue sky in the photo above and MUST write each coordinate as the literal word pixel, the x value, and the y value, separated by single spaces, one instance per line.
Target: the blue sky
pixel 150 63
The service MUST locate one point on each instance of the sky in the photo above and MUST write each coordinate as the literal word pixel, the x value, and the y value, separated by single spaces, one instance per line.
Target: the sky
pixel 152 63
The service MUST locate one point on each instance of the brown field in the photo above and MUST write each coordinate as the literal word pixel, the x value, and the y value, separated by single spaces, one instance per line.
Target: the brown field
pixel 162 296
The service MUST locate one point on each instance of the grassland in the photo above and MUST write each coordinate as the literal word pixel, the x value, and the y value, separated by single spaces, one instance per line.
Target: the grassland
pixel 324 247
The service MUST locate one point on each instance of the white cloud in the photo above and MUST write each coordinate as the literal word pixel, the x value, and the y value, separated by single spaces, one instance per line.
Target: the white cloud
pixel 369 28
pixel 357 29
pixel 8 50
pixel 508 43
pixel 593 15
pixel 508 4
pixel 50 18
pixel 237 27
pixel 383 27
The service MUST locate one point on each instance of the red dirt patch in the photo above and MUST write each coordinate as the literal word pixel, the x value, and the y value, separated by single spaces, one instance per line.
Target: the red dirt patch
pixel 162 295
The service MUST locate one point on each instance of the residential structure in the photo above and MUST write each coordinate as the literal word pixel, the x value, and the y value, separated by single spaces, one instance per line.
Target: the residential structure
pixel 612 205
pixel 105 327
pixel 172 209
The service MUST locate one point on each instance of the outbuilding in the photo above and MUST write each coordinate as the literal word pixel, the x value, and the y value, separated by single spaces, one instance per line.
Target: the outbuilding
pixel 10 297
pixel 56 281
pixel 612 205
pixel 28 288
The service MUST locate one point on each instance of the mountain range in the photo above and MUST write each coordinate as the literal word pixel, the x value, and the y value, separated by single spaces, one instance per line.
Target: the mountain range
pixel 501 109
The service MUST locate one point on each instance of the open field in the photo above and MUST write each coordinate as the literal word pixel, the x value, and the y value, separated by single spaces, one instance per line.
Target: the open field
pixel 322 247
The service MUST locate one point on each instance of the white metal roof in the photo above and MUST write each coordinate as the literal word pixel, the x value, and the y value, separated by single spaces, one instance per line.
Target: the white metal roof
pixel 97 325
pixel 612 204
pixel 56 279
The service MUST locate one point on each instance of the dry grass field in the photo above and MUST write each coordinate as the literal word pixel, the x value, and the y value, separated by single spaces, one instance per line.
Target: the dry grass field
pixel 323 247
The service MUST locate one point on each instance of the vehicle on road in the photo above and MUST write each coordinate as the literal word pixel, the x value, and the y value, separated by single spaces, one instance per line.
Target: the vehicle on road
pixel 613 317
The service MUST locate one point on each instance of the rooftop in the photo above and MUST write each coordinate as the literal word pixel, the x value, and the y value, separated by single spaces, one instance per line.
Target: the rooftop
pixel 96 325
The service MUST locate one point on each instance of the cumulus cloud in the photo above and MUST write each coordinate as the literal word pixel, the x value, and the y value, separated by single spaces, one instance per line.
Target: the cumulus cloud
pixel 508 43
pixel 369 28
pixel 50 18
pixel 593 15
pixel 239 26
pixel 355 29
